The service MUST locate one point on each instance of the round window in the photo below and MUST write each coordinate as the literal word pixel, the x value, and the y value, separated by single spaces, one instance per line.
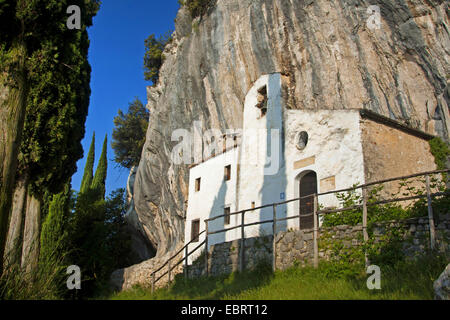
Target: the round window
pixel 301 140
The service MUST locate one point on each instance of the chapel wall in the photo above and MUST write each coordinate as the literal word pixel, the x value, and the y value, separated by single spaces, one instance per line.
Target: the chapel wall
pixel 390 152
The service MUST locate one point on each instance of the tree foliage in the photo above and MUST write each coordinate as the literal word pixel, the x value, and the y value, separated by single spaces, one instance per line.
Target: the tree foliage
pixel 440 151
pixel 54 242
pixel 99 181
pixel 54 228
pixel 46 74
pixel 98 237
pixel 153 58
pixel 197 7
pixel 88 168
pixel 59 77
pixel 129 134
pixel 98 240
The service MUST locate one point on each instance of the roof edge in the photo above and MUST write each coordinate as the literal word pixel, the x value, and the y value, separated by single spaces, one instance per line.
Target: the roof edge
pixel 367 114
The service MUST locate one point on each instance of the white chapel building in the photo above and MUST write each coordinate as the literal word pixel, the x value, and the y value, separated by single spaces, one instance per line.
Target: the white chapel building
pixel 281 154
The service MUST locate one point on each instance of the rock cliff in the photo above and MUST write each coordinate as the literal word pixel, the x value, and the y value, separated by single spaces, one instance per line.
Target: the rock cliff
pixel 330 57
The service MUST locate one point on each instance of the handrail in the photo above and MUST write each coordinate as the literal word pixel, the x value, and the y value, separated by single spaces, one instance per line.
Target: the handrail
pixel 386 180
pixel 256 208
pixel 176 264
pixel 179 251
pixel 323 211
pixel 333 191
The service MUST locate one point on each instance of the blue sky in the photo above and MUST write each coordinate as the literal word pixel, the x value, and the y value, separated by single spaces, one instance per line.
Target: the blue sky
pixel 116 56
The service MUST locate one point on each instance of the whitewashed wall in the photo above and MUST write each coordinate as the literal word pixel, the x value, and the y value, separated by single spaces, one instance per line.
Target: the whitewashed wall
pixel 262 176
pixel 334 141
pixel 215 194
pixel 266 157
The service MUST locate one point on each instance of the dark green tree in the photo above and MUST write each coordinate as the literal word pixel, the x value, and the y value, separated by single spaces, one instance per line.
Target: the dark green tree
pixel 45 95
pixel 54 243
pixel 99 181
pixel 99 240
pixel 88 168
pixel 129 134
pixel 87 238
pixel 54 228
pixel 118 240
pixel 153 58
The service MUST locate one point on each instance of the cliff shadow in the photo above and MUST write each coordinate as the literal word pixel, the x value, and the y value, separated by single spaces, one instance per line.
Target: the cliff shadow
pixel 217 209
pixel 275 176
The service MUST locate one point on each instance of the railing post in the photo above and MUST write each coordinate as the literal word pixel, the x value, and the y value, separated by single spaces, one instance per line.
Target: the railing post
pixel 168 265
pixel 274 244
pixel 430 215
pixel 241 265
pixel 153 282
pixel 316 229
pixel 186 266
pixel 206 248
pixel 364 223
pixel 300 213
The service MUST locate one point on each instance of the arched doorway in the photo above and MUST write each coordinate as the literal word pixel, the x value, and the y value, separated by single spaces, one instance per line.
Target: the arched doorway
pixel 307 188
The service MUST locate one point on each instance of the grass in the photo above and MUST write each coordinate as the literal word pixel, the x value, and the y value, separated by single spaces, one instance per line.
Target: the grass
pixel 411 280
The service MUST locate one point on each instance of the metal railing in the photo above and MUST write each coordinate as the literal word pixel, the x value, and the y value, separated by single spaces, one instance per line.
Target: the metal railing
pixel 316 212
pixel 171 267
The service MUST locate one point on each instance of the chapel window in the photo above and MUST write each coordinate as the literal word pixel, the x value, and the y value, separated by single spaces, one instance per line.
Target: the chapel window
pixel 227 173
pixel 227 212
pixel 195 230
pixel 262 101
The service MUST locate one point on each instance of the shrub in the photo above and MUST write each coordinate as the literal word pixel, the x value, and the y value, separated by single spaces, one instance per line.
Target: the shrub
pixel 196 7
pixel 440 151
pixel 153 58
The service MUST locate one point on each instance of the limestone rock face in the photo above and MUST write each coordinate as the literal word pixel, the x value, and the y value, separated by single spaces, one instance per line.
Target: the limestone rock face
pixel 141 247
pixel 442 285
pixel 329 58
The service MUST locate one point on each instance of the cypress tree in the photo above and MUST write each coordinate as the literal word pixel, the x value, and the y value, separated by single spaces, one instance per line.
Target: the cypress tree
pixel 89 168
pixel 53 234
pixel 44 96
pixel 99 181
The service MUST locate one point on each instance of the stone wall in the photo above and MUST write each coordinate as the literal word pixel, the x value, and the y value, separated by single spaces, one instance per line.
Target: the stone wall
pixel 224 257
pixel 295 247
pixel 390 152
pixel 141 274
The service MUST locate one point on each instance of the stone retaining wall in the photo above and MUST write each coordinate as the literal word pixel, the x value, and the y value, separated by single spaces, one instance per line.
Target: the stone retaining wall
pixel 296 247
pixel 140 274
pixel 292 247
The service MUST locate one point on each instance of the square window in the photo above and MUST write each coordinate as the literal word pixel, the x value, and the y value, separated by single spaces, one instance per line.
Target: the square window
pixel 195 230
pixel 197 184
pixel 227 212
pixel 224 145
pixel 227 173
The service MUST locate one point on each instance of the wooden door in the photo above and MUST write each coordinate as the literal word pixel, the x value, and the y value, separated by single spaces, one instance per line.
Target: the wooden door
pixel 308 187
